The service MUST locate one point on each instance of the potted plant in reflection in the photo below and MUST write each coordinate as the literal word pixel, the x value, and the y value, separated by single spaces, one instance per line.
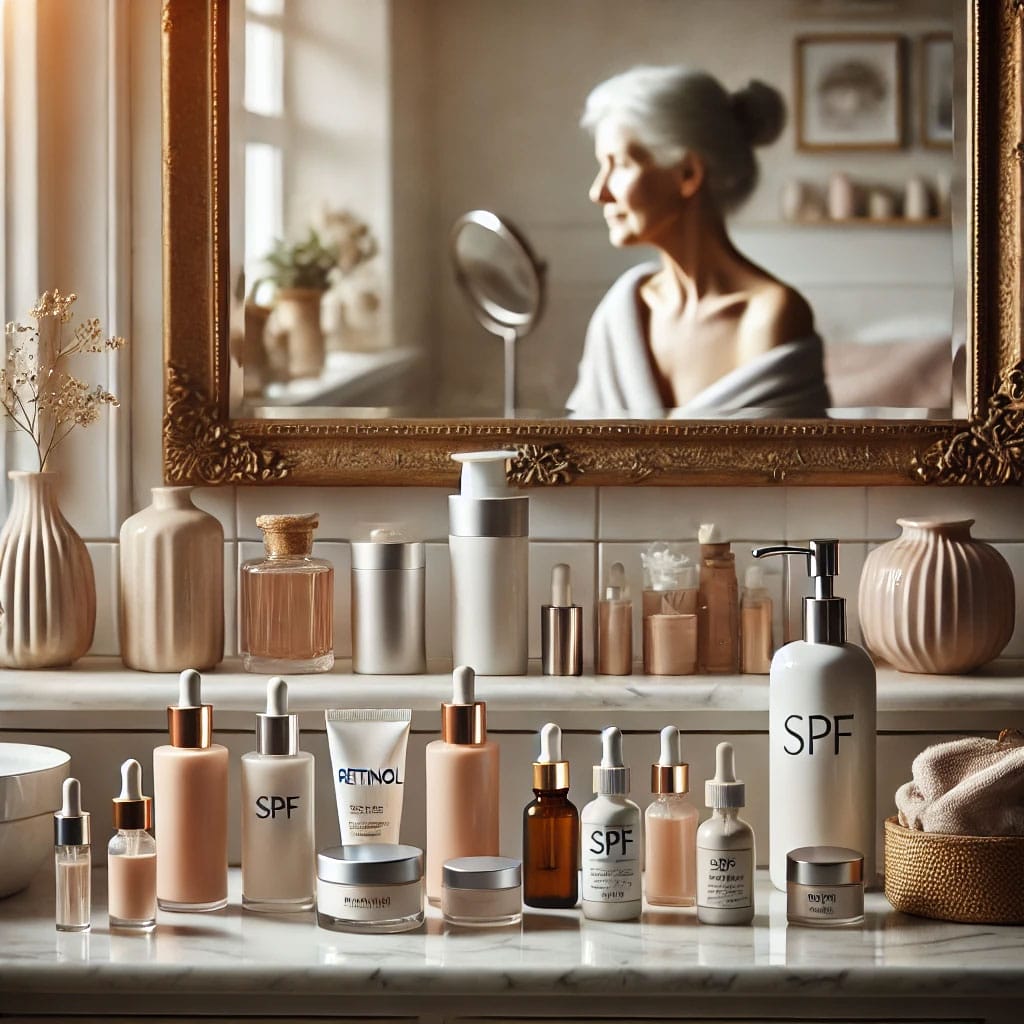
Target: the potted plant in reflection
pixel 301 272
pixel 47 587
pixel 352 308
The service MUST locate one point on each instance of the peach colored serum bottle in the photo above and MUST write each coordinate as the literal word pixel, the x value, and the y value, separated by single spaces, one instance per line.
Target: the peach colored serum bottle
pixel 131 856
pixel 755 623
pixel 615 626
pixel 719 614
pixel 670 829
pixel 190 790
pixel 551 830
pixel 462 784
pixel 286 601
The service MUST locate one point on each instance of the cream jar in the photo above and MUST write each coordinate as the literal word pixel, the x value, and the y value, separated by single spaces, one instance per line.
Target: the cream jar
pixel 374 887
pixel 824 886
pixel 482 891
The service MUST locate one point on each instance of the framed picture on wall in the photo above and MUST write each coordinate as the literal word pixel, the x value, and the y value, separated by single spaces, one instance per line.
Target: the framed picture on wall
pixel 937 90
pixel 849 92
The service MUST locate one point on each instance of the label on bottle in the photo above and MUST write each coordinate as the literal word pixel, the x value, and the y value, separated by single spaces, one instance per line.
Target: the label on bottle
pixel 611 864
pixel 725 878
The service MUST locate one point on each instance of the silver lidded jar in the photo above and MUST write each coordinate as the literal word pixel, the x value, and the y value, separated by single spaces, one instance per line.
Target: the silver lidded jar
pixel 824 886
pixel 388 597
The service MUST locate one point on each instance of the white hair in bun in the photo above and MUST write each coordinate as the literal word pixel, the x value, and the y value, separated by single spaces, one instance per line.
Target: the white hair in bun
pixel 674 110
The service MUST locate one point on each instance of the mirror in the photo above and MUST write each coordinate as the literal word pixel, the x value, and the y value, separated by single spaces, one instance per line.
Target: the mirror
pixel 503 282
pixel 382 441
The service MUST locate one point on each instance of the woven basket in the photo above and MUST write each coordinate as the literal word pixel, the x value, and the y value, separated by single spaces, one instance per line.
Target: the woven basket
pixel 976 879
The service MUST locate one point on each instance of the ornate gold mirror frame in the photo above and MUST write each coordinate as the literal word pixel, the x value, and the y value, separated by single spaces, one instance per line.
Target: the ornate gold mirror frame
pixel 203 445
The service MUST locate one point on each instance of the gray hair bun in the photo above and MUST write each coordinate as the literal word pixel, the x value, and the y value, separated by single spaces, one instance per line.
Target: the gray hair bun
pixel 760 112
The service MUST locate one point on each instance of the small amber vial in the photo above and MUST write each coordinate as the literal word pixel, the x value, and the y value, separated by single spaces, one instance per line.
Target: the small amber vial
pixel 286 602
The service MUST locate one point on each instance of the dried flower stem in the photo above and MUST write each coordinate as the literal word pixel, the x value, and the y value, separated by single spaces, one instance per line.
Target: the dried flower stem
pixel 38 396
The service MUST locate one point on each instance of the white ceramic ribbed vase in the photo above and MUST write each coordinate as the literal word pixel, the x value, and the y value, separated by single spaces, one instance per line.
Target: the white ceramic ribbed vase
pixel 172 585
pixel 47 587
pixel 935 599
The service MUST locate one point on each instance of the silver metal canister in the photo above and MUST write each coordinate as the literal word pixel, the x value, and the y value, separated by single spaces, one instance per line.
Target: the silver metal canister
pixel 388 595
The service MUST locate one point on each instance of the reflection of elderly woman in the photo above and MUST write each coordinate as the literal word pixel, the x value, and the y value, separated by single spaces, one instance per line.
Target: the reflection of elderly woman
pixel 706 331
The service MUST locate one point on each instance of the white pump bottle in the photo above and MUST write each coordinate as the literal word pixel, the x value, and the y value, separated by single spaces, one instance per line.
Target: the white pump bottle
pixel 489 538
pixel 821 728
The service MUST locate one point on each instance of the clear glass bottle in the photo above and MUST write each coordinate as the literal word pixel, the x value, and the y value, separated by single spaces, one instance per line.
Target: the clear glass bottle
pixel 670 829
pixel 131 856
pixel 615 626
pixel 72 835
pixel 718 642
pixel 286 617
pixel 755 624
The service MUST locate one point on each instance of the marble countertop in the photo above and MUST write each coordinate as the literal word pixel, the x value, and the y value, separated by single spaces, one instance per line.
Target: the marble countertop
pixel 556 962
pixel 101 692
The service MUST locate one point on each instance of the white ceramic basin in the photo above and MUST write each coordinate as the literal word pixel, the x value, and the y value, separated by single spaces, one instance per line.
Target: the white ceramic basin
pixel 30 791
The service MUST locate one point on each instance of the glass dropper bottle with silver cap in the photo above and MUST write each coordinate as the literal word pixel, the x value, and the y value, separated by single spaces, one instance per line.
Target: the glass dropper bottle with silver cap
pixel 72 839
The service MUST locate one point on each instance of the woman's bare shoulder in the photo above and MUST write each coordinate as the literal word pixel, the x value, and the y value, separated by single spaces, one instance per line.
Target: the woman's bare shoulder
pixel 775 314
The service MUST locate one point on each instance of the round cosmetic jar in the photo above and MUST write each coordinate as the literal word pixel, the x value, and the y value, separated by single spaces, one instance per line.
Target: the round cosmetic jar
pixel 375 887
pixel 482 891
pixel 824 886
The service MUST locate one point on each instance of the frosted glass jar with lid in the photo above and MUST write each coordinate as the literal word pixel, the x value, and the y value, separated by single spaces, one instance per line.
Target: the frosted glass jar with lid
pixel 482 891
pixel 824 886
pixel 373 887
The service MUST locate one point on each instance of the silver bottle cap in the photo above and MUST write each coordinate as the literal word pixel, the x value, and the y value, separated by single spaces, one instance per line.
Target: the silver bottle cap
pixel 277 732
pixel 370 864
pixel 386 550
pixel 71 825
pixel 482 873
pixel 824 865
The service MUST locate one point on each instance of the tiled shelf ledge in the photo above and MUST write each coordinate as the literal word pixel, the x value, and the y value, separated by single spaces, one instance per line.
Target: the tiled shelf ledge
pixel 100 693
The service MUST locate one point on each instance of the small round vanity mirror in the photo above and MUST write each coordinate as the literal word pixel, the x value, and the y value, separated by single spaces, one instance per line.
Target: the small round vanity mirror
pixel 502 280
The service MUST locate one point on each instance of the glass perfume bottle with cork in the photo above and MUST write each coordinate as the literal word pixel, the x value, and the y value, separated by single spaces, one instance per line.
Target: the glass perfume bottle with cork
pixel 286 605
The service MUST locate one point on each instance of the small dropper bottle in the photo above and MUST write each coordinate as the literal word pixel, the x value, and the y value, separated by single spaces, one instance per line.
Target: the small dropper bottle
pixel 611 840
pixel 615 626
pixel 72 836
pixel 551 830
pixel 670 828
pixel 131 856
pixel 561 628
pixel 725 848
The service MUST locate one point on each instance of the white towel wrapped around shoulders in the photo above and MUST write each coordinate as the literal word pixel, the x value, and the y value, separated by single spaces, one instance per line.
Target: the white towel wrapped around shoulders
pixel 616 379
pixel 968 787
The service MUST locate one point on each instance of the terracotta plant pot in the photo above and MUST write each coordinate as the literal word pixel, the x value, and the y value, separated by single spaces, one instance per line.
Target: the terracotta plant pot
pixel 298 312
pixel 47 587
pixel 935 599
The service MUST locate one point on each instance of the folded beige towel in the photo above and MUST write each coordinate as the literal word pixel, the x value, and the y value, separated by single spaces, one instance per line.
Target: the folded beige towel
pixel 968 787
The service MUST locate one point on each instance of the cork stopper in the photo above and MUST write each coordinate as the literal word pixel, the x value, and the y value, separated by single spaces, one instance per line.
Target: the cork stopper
pixel 285 535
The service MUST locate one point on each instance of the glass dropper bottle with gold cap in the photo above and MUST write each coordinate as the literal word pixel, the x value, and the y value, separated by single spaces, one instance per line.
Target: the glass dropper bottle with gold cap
pixel 286 604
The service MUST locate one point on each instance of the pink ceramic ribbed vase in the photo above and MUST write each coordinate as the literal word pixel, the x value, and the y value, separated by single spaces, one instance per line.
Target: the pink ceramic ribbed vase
pixel 935 599
pixel 47 586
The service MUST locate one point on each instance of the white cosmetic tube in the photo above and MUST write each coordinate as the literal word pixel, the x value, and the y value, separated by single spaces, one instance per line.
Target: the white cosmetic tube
pixel 368 763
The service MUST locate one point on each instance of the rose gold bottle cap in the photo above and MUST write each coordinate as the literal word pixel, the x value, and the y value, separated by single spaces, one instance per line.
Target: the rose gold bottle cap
pixel 190 722
pixel 132 810
pixel 550 772
pixel 464 720
pixel 671 774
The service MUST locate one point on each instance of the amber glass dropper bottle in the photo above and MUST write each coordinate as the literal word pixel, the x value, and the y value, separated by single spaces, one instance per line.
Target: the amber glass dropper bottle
pixel 551 830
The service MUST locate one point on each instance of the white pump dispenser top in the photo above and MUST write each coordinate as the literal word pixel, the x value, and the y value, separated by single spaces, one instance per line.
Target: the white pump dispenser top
pixel 131 780
pixel 611 776
pixel 561 586
pixel 671 747
pixel 550 744
pixel 483 473
pixel 725 790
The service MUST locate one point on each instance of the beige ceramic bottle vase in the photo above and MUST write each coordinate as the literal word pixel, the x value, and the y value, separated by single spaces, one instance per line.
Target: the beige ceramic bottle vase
pixel 935 599
pixel 47 588
pixel 172 585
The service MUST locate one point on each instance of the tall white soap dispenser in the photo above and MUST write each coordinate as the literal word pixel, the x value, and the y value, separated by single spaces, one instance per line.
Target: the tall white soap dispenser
pixel 821 728
pixel 489 545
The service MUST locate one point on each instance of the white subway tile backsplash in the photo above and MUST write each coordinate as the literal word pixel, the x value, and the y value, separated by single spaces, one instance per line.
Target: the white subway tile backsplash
pixel 675 513
pixel 998 512
pixel 839 512
pixel 563 513
pixel 105 569
pixel 438 603
pixel 422 512
pixel 220 502
pixel 580 559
